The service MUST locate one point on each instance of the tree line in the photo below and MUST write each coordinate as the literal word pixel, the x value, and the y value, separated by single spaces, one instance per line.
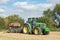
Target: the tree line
pixel 12 18
pixel 48 18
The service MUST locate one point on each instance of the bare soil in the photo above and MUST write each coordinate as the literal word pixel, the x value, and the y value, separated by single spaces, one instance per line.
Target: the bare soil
pixel 20 36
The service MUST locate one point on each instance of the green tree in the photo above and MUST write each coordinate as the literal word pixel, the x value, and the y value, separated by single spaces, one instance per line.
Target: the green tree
pixel 12 18
pixel 57 9
pixel 15 18
pixel 2 23
pixel 48 16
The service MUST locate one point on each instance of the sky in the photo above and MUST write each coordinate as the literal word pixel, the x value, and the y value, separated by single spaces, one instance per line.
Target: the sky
pixel 26 8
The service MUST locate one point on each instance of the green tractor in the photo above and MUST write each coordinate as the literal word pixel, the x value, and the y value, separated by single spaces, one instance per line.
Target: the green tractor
pixel 33 25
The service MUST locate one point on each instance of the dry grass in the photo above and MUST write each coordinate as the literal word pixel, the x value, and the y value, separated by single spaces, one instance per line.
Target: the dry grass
pixel 19 36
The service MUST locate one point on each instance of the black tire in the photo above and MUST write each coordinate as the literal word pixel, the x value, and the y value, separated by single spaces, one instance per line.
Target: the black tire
pixel 37 31
pixel 25 29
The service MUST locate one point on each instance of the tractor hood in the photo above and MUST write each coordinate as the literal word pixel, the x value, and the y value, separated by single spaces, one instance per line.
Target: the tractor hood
pixel 39 24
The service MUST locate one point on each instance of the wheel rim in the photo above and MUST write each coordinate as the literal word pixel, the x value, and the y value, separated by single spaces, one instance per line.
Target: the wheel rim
pixel 25 29
pixel 36 31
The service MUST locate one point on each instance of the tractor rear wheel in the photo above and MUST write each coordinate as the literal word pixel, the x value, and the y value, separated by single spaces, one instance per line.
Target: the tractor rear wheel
pixel 37 31
pixel 25 29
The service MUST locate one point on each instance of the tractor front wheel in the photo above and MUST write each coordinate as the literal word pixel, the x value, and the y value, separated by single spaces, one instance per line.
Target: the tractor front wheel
pixel 25 29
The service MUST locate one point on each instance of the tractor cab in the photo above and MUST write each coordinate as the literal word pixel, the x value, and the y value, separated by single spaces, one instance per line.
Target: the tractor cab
pixel 33 20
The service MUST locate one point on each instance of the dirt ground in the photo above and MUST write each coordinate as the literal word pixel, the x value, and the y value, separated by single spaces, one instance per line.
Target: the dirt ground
pixel 20 36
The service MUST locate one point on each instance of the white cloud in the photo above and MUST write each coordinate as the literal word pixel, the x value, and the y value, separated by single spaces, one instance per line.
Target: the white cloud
pixel 23 5
pixel 26 5
pixel 31 10
pixel 54 1
pixel 4 1
pixel 2 10
pixel 25 10
pixel 3 15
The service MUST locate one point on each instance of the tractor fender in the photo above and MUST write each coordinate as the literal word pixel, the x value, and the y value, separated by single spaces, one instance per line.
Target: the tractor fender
pixel 46 29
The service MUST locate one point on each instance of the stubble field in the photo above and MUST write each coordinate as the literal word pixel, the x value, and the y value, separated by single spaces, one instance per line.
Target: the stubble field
pixel 20 36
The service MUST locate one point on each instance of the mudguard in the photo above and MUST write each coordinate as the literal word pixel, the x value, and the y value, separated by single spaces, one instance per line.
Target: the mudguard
pixel 47 30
